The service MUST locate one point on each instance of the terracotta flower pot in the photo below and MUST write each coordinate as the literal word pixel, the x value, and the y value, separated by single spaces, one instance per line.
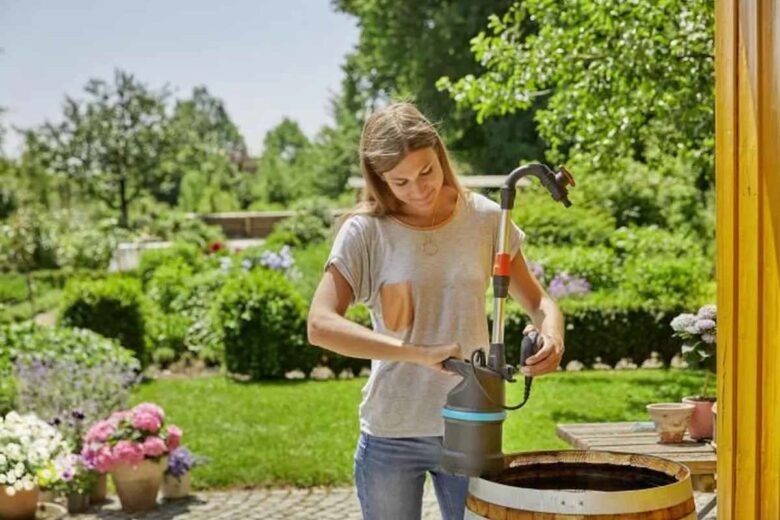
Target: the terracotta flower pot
pixel 176 487
pixel 20 506
pixel 137 486
pixel 671 420
pixel 98 494
pixel 701 421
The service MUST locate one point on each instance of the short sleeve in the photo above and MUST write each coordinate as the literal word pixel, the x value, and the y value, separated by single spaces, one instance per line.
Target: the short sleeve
pixel 516 239
pixel 350 255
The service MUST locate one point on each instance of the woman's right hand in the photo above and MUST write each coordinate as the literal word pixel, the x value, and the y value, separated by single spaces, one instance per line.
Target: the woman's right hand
pixel 432 356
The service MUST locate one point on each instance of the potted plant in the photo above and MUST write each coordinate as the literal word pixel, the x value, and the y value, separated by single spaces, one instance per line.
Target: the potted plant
pixel 698 332
pixel 176 483
pixel 75 481
pixel 132 446
pixel 29 447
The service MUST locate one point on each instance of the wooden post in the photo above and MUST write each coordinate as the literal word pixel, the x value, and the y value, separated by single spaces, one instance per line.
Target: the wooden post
pixel 748 239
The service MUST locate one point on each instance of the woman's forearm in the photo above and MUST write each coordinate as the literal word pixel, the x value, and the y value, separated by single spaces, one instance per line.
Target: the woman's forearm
pixel 338 334
pixel 547 318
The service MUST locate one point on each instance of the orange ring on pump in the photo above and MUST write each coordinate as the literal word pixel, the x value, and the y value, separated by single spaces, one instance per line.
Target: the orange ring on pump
pixel 501 267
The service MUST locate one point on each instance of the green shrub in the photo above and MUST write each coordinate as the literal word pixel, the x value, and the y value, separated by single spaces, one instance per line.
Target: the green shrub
pixel 310 262
pixel 262 320
pixel 310 225
pixel 167 281
pixel 598 265
pixel 652 241
pixel 668 281
pixel 89 245
pixel 113 307
pixel 607 324
pixel 30 341
pixel 659 192
pixel 151 259
pixel 545 221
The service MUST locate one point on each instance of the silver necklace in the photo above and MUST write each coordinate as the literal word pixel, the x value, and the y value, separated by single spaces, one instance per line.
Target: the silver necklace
pixel 429 246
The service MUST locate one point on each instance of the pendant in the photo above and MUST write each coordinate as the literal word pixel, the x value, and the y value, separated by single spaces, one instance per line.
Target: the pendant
pixel 429 246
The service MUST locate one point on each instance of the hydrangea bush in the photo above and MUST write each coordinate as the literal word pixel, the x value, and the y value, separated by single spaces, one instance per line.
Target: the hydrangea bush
pixel 699 334
pixel 30 446
pixel 129 437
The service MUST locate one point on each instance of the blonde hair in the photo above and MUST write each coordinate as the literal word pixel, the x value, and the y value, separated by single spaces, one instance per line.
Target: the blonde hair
pixel 388 136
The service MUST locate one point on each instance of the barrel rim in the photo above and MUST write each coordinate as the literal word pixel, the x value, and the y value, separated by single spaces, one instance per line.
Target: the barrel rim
pixel 590 502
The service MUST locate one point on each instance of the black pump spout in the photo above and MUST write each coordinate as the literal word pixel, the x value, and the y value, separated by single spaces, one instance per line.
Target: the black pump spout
pixel 554 182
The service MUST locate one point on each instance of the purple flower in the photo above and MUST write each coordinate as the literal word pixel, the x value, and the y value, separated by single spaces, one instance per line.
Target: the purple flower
pixel 564 284
pixel 180 461
pixel 704 325
pixel 281 261
pixel 707 312
pixel 537 270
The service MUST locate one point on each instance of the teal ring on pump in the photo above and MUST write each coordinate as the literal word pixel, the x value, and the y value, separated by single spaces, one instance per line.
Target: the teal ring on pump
pixel 449 413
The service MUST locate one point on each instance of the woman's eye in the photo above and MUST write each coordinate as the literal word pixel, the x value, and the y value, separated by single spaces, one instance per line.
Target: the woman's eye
pixel 426 172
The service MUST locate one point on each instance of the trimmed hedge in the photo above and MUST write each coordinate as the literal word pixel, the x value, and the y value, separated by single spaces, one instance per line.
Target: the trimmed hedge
pixel 610 325
pixel 262 321
pixel 113 307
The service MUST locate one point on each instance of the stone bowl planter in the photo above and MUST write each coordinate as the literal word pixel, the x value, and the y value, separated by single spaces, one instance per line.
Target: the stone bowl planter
pixel 671 420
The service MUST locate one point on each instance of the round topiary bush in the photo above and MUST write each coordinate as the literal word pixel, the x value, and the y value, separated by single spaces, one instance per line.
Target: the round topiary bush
pixel 113 308
pixel 262 321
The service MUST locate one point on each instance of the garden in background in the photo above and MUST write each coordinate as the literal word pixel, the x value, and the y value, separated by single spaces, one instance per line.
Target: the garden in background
pixel 216 334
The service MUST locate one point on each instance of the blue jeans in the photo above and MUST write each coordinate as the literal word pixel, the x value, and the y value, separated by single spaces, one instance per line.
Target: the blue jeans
pixel 390 474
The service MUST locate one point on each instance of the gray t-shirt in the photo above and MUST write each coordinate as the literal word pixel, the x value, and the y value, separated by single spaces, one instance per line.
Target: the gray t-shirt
pixel 425 286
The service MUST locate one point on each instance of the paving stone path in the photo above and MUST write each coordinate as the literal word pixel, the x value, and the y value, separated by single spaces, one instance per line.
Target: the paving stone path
pixel 338 503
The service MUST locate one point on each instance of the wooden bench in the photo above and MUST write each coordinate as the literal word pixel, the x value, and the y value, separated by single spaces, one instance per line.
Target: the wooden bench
pixel 640 437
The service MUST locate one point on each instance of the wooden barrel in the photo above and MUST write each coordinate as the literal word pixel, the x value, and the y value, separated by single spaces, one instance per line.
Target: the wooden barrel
pixel 592 485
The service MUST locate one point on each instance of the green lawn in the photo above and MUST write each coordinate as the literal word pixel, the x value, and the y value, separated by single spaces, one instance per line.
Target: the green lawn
pixel 304 432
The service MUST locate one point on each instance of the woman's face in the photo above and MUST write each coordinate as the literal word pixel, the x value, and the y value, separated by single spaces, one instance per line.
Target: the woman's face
pixel 417 180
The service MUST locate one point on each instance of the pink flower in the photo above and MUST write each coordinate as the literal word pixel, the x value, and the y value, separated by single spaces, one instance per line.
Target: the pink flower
pixel 102 459
pixel 128 452
pixel 154 447
pixel 146 421
pixel 117 417
pixel 174 437
pixel 150 408
pixel 100 431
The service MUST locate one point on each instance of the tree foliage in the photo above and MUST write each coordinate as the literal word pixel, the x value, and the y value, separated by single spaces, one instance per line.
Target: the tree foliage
pixel 112 142
pixel 615 75
pixel 405 46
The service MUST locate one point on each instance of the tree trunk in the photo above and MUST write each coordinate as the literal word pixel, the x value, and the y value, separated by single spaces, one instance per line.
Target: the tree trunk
pixel 124 220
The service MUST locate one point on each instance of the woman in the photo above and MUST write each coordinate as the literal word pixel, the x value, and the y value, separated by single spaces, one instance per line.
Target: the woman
pixel 419 253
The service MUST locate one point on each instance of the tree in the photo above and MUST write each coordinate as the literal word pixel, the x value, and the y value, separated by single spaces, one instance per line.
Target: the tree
pixel 206 148
pixel 405 46
pixel 618 77
pixel 112 143
pixel 282 172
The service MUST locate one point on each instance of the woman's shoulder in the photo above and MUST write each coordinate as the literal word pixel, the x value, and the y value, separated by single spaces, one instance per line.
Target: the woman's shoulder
pixel 481 204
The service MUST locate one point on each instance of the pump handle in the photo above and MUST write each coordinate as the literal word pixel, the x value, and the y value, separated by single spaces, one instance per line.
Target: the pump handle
pixel 532 343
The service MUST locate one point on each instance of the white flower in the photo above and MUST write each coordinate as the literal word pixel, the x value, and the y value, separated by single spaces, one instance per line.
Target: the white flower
pixel 684 322
pixel 707 312
pixel 10 491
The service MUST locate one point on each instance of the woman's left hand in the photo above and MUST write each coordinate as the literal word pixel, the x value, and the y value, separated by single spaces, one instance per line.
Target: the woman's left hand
pixel 548 358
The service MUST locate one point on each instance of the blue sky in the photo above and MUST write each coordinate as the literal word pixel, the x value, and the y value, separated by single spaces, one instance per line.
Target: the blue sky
pixel 266 59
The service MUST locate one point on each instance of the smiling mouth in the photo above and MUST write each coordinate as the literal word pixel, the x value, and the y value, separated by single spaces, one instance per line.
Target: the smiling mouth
pixel 426 199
